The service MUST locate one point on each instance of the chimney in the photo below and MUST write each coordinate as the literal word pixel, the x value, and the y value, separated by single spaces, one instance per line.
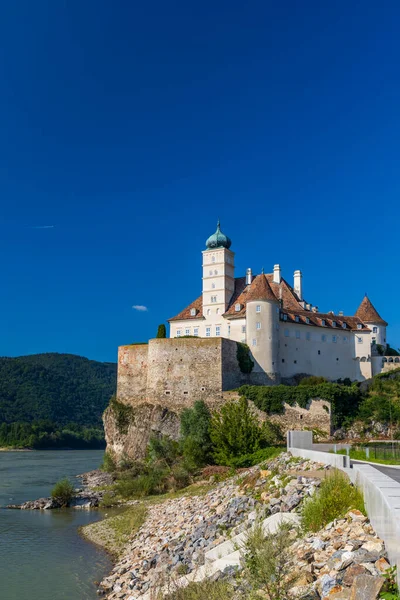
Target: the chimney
pixel 314 309
pixel 298 285
pixel 249 277
pixel 341 313
pixel 277 274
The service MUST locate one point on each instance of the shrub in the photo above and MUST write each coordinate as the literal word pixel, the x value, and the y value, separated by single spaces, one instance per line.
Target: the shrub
pixel 234 431
pixel 195 434
pixel 108 463
pixel 271 433
pixel 123 413
pixel 153 482
pixel 162 331
pixel 248 460
pixel 334 498
pixel 63 492
pixel 212 590
pixel 180 477
pixel 243 357
pixel 266 560
pixel 163 449
pixel 312 380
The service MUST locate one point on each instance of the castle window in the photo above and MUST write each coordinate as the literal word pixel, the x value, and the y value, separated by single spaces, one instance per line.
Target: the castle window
pixel 229 330
pixel 286 332
pixel 295 362
pixel 196 331
pixel 215 272
pixel 254 342
pixel 298 335
pixel 359 326
pixel 334 338
pixel 167 393
pixel 238 307
pixel 217 330
pixel 323 322
pixel 213 298
pixel 258 325
pixel 213 286
pixel 360 340
pixel 333 323
pixel 178 333
pixel 319 351
pixel 210 273
pixel 344 325
pixel 243 328
pixel 187 331
pixel 307 320
pixel 283 360
pixel 285 317
pixel 374 330
pixel 308 336
pixel 344 338
pixel 208 311
pixel 193 312
pixel 323 338
pixel 185 393
pixel 213 259
pixel 258 308
pixel 208 331
pixel 218 311
pixel 297 319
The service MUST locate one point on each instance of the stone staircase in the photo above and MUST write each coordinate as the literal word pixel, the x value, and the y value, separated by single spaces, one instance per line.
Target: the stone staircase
pixel 228 553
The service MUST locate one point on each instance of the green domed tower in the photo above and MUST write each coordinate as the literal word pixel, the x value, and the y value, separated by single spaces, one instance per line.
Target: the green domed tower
pixel 218 239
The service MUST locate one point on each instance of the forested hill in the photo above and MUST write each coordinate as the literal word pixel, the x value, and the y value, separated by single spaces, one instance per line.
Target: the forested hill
pixel 62 388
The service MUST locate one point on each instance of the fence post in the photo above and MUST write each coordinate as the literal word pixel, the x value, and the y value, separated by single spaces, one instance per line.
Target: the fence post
pixel 335 449
pixel 367 452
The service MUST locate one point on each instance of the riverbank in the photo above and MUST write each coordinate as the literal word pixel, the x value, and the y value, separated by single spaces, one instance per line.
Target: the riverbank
pixel 171 537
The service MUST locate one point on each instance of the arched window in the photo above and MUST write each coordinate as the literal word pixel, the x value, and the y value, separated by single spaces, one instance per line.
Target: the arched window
pixel 213 286
pixel 213 259
pixel 208 311
pixel 215 272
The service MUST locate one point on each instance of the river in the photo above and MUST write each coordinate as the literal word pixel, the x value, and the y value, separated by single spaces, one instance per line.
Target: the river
pixel 42 556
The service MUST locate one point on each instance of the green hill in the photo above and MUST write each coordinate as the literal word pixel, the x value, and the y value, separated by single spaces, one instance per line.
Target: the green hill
pixel 51 393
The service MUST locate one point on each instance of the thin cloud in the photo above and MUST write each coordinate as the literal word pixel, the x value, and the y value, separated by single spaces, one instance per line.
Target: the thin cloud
pixel 42 226
pixel 140 308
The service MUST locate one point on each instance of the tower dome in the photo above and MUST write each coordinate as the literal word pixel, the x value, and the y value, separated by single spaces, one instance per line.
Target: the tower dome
pixel 218 239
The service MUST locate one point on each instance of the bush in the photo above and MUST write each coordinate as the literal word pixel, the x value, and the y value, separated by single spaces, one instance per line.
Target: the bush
pixel 266 559
pixel 162 331
pixel 163 449
pixel 243 357
pixel 248 460
pixel 271 433
pixel 195 434
pixel 153 482
pixel 123 414
pixel 108 463
pixel 63 492
pixel 211 590
pixel 312 380
pixel 334 498
pixel 234 432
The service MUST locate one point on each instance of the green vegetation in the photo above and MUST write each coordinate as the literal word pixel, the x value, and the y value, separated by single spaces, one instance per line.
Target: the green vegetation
pixel 63 492
pixel 390 590
pixel 267 564
pixel 161 331
pixel 243 357
pixel 108 463
pixel 195 434
pixel 123 413
pixel 335 497
pixel 312 380
pixel 41 435
pixel 270 399
pixel 212 590
pixel 236 432
pixel 360 454
pixel 54 401
pixel 248 460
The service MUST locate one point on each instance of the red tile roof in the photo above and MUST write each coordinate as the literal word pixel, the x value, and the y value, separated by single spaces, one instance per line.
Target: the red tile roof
pixel 368 313
pixel 263 288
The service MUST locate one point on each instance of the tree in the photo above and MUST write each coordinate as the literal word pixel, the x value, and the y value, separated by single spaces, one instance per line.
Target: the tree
pixel 234 431
pixel 195 434
pixel 162 331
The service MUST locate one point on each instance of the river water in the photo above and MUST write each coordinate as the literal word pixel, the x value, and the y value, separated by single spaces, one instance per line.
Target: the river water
pixel 42 556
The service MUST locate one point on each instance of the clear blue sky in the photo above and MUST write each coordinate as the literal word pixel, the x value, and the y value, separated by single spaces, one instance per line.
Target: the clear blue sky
pixel 132 126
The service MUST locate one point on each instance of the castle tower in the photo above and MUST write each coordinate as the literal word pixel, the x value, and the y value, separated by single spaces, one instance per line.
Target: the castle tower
pixel 370 316
pixel 262 331
pixel 218 275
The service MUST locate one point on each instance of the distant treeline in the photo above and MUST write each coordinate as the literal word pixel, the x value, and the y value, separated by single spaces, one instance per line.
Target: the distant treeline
pixel 46 435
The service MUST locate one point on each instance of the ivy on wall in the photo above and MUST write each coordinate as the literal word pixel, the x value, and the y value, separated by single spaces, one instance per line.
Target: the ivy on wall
pixel 123 413
pixel 243 357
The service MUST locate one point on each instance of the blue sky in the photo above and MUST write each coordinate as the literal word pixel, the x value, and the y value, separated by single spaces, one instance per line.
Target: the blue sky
pixel 131 127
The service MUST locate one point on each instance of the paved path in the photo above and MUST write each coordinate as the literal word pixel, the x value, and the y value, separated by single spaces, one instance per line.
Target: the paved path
pixel 393 473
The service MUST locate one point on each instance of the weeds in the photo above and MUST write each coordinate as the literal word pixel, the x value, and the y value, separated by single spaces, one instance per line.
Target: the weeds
pixel 210 590
pixel 63 492
pixel 334 498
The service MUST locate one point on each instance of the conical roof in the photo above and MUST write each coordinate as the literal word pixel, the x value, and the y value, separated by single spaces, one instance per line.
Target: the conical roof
pixel 260 290
pixel 368 313
pixel 218 239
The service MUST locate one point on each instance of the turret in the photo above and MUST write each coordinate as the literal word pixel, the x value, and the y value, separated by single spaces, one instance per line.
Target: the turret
pixel 262 330
pixel 368 314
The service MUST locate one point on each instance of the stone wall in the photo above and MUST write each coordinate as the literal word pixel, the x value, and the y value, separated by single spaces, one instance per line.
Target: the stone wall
pixel 317 415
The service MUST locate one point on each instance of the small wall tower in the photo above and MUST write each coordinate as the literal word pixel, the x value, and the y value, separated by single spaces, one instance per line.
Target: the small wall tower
pixel 262 334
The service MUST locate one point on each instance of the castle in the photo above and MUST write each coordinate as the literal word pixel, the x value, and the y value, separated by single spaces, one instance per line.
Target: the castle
pixel 287 336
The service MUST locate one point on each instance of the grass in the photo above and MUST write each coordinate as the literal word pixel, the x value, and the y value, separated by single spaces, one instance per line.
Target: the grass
pixel 335 497
pixel 113 533
pixel 210 590
pixel 361 455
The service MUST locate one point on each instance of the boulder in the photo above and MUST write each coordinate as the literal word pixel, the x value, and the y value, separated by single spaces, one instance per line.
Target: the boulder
pixel 366 587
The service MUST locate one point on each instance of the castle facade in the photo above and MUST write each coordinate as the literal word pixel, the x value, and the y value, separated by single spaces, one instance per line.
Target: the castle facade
pixel 286 334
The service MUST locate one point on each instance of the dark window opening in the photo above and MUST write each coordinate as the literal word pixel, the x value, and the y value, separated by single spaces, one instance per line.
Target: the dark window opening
pixel 167 393
pixel 319 351
pixel 295 362
pixel 283 360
